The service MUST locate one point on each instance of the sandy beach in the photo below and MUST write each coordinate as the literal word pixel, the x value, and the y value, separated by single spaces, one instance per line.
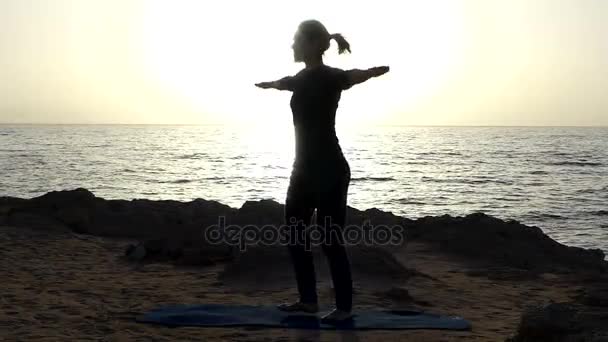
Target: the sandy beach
pixel 66 277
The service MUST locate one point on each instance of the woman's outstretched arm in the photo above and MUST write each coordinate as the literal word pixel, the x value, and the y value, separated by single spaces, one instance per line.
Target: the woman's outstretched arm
pixel 285 83
pixel 356 76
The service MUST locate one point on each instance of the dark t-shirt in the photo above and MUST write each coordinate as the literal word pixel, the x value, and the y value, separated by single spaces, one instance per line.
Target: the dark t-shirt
pixel 316 93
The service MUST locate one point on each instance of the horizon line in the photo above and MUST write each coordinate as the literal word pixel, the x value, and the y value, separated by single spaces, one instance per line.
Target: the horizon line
pixel 249 124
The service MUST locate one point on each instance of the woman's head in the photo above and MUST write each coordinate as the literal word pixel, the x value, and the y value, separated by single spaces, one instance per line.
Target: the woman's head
pixel 312 40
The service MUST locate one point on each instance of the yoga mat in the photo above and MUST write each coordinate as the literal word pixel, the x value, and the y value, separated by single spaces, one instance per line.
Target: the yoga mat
pixel 229 315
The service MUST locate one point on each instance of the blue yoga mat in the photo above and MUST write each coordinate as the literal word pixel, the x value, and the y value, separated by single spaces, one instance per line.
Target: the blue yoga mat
pixel 220 315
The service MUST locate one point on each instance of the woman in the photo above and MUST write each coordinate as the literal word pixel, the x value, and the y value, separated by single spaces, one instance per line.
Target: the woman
pixel 320 175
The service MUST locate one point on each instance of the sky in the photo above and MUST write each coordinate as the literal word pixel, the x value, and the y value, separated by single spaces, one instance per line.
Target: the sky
pixel 453 62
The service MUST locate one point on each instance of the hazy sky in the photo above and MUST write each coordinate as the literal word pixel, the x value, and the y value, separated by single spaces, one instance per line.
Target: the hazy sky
pixel 453 62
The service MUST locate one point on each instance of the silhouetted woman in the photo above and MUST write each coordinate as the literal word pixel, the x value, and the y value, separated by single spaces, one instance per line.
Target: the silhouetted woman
pixel 320 175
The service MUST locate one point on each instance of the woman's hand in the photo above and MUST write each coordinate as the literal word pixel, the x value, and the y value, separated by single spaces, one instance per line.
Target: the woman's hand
pixel 379 71
pixel 356 76
pixel 266 85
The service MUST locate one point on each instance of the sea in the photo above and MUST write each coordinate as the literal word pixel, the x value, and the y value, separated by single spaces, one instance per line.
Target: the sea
pixel 555 178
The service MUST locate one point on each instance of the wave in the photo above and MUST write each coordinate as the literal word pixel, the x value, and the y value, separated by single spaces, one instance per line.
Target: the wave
pixel 547 216
pixel 587 191
pixel 518 198
pixel 535 184
pixel 600 213
pixel 466 181
pixel 436 180
pixel 561 154
pixel 274 167
pixel 487 181
pixel 575 163
pixel 145 171
pixel 539 172
pixel 409 201
pixel 439 154
pixel 211 178
pixel 193 156
pixel 218 178
pixel 177 181
pixel 372 179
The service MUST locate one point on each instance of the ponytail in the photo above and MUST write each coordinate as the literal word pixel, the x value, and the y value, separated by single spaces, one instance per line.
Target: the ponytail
pixel 343 45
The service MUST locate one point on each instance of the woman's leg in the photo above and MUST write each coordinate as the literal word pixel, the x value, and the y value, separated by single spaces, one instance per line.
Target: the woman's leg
pixel 298 212
pixel 332 216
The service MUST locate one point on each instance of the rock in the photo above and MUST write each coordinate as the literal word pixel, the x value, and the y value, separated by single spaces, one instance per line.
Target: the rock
pixel 479 237
pixel 595 293
pixel 156 247
pixel 130 248
pixel 499 243
pixel 396 294
pixel 136 253
pixel 596 297
pixel 562 322
pixel 54 211
pixel 19 218
pixel 61 199
pixel 76 218
pixel 548 323
pixel 9 203
pixel 260 213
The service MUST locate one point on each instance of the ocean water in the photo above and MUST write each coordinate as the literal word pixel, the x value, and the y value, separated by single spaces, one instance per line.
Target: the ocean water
pixel 555 178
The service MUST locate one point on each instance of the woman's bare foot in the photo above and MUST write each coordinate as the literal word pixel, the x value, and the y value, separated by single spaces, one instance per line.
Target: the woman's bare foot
pixel 299 307
pixel 336 316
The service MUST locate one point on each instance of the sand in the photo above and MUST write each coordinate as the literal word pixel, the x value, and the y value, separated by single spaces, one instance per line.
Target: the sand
pixel 65 286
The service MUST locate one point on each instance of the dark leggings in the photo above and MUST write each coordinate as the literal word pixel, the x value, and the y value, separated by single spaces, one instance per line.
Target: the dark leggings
pixel 326 190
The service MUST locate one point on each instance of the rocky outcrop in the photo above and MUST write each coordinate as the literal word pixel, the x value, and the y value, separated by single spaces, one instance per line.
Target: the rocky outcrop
pixel 548 323
pixel 478 237
pixel 584 319
pixel 509 243
pixel 562 322
pixel 82 212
